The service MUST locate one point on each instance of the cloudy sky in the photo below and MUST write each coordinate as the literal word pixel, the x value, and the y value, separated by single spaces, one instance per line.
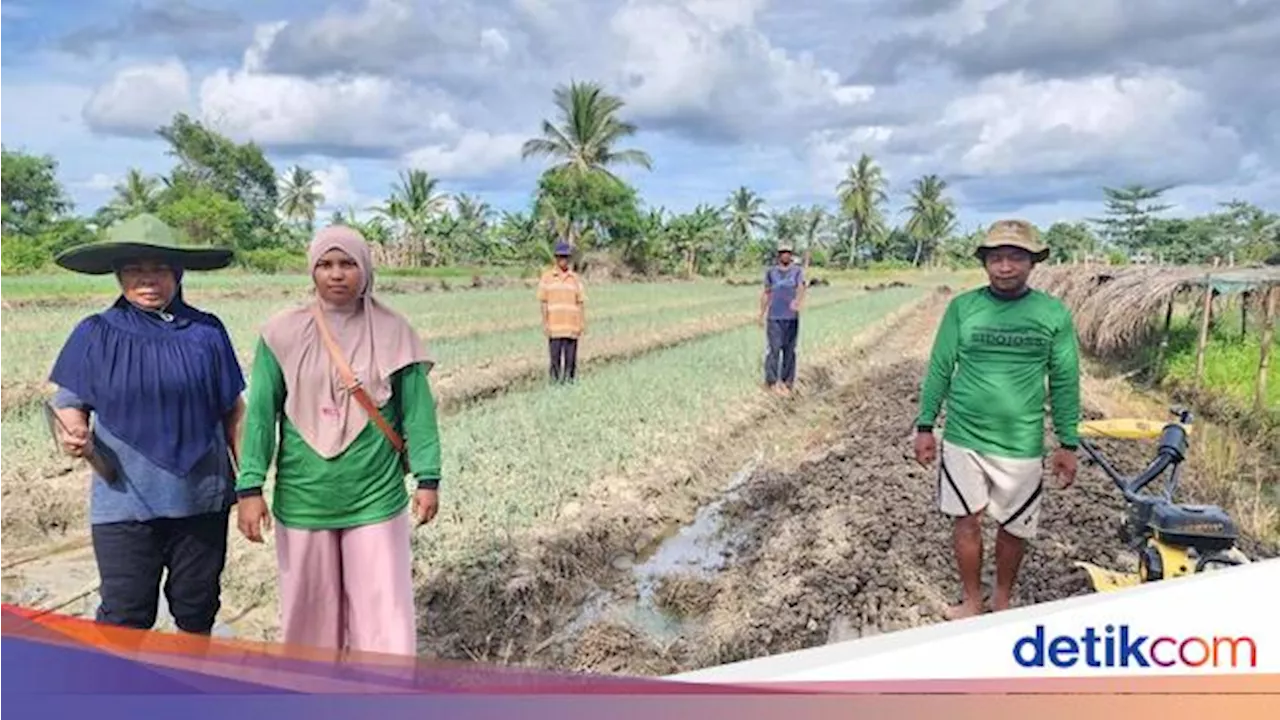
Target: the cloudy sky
pixel 1027 107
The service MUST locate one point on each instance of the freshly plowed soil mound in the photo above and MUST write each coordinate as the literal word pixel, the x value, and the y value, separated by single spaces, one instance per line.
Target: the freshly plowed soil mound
pixel 852 544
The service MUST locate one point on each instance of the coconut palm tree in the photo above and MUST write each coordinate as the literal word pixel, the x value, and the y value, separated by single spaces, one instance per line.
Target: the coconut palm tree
pixel 412 207
pixel 695 235
pixel 588 133
pixel 861 194
pixel 137 193
pixel 933 215
pixel 300 196
pixel 744 215
pixel 517 235
pixel 473 212
pixel 471 225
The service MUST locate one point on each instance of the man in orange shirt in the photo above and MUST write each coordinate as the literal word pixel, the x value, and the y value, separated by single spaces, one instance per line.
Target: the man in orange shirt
pixel 563 297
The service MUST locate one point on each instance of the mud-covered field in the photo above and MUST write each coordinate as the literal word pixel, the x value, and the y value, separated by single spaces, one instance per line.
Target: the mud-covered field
pixel 843 544
pixel 852 545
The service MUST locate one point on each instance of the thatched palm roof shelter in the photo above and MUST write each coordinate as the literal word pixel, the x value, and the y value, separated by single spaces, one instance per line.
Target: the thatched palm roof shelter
pixel 1114 307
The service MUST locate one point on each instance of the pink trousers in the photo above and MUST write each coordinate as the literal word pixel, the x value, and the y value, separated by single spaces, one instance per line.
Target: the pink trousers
pixel 348 589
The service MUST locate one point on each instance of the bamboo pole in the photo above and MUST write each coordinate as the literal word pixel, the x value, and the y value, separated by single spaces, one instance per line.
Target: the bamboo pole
pixel 1204 328
pixel 1244 314
pixel 1264 354
pixel 1164 338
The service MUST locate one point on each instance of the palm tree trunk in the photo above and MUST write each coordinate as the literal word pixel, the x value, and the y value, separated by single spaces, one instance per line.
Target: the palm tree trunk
pixel 853 244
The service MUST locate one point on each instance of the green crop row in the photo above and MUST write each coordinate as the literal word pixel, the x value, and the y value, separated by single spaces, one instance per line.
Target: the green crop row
pixel 33 336
pixel 511 462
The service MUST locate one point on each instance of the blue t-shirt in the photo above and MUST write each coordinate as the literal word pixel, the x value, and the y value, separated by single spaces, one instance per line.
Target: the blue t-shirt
pixel 783 284
pixel 142 491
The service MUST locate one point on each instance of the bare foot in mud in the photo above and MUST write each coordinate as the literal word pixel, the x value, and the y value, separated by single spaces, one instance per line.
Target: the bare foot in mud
pixel 962 610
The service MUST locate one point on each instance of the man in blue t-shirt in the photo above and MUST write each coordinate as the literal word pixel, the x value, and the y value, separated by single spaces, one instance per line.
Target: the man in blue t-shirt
pixel 780 304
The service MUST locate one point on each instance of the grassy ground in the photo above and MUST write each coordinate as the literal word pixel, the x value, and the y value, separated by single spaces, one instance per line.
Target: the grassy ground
pixel 60 287
pixel 464 329
pixel 1230 362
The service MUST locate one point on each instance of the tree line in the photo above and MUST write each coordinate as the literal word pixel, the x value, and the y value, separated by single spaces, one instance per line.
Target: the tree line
pixel 223 192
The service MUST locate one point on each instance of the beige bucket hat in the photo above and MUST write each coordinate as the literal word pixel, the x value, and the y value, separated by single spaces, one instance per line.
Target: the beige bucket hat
pixel 1014 233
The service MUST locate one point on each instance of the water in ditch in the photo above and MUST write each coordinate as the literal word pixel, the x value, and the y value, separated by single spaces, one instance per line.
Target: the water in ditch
pixel 698 549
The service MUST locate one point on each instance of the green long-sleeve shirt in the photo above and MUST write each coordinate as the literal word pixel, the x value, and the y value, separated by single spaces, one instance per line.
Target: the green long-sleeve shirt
pixel 364 484
pixel 991 358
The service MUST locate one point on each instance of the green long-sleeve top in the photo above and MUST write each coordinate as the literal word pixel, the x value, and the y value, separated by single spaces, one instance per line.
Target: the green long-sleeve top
pixel 990 362
pixel 364 484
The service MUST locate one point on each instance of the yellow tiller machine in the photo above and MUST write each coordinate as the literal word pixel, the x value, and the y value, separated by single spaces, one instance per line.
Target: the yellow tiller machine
pixel 1171 539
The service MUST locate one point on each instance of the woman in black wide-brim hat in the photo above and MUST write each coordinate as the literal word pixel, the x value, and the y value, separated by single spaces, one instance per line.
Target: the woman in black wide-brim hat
pixel 163 385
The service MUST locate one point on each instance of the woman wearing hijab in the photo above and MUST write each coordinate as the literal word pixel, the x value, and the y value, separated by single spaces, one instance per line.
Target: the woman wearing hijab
pixel 342 382
pixel 162 383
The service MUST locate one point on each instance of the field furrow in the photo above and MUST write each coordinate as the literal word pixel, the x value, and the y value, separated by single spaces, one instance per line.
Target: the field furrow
pixel 513 462
pixel 32 337
pixel 470 369
pixel 618 419
pixel 519 357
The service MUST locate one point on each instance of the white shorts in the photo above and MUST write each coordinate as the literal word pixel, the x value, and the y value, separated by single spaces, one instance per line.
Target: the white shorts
pixel 1009 489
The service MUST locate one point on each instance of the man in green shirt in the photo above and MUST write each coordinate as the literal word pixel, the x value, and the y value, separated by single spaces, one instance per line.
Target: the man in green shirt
pixel 993 352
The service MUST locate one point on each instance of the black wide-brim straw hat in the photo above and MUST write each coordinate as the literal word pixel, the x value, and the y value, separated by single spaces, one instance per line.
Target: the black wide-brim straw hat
pixel 140 237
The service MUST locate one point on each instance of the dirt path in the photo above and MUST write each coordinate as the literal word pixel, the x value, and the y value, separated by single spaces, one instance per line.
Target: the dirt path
pixel 63 579
pixel 851 545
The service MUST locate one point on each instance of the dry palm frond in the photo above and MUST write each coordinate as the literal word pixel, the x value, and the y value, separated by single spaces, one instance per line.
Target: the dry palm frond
pixel 1116 309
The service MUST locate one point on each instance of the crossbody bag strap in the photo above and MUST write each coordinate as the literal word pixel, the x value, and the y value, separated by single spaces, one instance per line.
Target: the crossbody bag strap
pixel 352 384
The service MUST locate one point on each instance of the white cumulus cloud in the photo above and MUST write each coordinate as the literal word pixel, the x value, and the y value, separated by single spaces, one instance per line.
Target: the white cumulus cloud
pixel 992 95
pixel 335 184
pixel 140 98
pixel 1057 125
pixel 707 64
pixel 475 153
